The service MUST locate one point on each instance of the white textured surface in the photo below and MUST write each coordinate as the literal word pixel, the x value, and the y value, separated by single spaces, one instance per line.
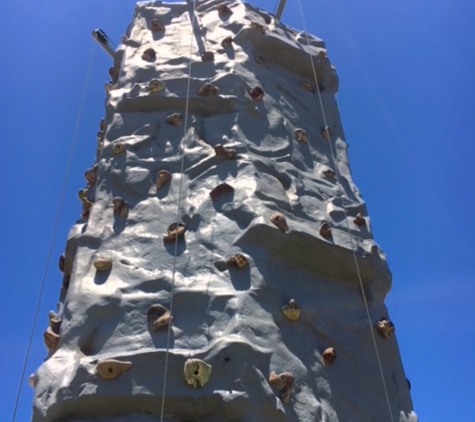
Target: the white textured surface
pixel 218 310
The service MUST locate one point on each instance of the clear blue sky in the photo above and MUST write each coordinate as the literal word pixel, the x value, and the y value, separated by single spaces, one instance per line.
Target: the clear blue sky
pixel 407 96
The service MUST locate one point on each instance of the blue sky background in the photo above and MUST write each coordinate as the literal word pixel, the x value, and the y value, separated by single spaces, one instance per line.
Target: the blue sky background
pixel 407 95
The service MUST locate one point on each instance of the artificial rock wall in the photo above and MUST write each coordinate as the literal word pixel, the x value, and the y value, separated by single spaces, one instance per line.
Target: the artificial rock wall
pixel 268 321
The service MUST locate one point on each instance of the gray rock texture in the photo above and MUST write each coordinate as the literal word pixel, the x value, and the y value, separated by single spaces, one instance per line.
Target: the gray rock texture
pixel 109 362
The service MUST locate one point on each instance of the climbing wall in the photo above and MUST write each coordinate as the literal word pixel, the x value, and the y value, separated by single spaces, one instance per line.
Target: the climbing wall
pixel 220 214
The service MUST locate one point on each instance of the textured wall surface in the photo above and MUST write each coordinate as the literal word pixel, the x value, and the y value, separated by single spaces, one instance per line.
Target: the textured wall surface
pixel 117 263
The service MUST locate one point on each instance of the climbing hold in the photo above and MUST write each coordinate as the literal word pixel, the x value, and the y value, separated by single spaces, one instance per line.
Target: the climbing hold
pixel 257 93
pixel 385 327
pixel 124 39
pixel 207 56
pixel 100 136
pixel 329 173
pixel 163 177
pixel 219 190
pixel 118 148
pixel 158 316
pixel 301 135
pixel 50 338
pixel 239 260
pixel 102 125
pixel 66 280
pixel 103 264
pixel 54 321
pixel 149 55
pixel 326 133
pixel 208 89
pixel 113 73
pixel 156 85
pixel 329 356
pixel 291 310
pixel 325 231
pixel 223 152
pixel 359 220
pixel 108 87
pixel 174 230
pixel 32 380
pixel 62 261
pixel 86 208
pixel 258 27
pixel 280 221
pixel 82 194
pixel 308 86
pixel 174 119
pixel 109 369
pixel 91 175
pixel 121 208
pixel 224 10
pixel 157 26
pixel 227 42
pixel 283 382
pixel 260 60
pixel 196 372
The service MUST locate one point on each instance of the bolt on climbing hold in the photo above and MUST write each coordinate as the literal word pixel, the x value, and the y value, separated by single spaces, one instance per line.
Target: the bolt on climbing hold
pixel 207 56
pixel 238 260
pixel 51 339
pixel 385 327
pixel 291 310
pixel 174 119
pixel 108 369
pixel 32 380
pixel 54 321
pixel 82 194
pixel 149 55
pixel 91 175
pixel 300 135
pixel 156 85
pixel 103 264
pixel 223 152
pixel 174 230
pixel 86 208
pixel 329 173
pixel 329 356
pixel 197 372
pixel 208 89
pixel 157 26
pixel 118 148
pixel 100 136
pixel 308 87
pixel 283 382
pixel 280 221
pixel 113 73
pixel 359 220
pixel 257 93
pixel 219 190
pixel 61 262
pixel 326 231
pixel 121 208
pixel 227 42
pixel 258 27
pixel 224 10
pixel 326 133
pixel 158 316
pixel 163 177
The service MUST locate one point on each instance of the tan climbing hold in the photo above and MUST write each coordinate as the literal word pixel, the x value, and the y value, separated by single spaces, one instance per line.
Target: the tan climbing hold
pixel 326 231
pixel 163 177
pixel 32 381
pixel 280 221
pixel 283 382
pixel 158 316
pixel 54 321
pixel 156 85
pixel 257 93
pixel 91 175
pixel 359 220
pixel 61 262
pixel 221 151
pixel 103 264
pixel 121 208
pixel 174 119
pixel 174 230
pixel 157 26
pixel 308 86
pixel 118 148
pixel 208 89
pixel 149 55
pixel 224 10
pixel 50 338
pixel 329 356
pixel 258 27
pixel 86 208
pixel 227 42
pixel 207 56
pixel 326 133
pixel 385 327
pixel 291 310
pixel 300 135
pixel 196 372
pixel 329 173
pixel 220 190
pixel 109 369
pixel 238 260
pixel 82 194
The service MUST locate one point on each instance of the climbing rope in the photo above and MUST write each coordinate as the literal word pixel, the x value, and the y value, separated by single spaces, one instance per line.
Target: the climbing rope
pixel 180 193
pixel 69 161
pixel 340 193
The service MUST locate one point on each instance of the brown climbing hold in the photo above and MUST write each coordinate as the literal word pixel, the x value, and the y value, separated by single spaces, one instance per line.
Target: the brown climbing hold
pixel 208 89
pixel 197 372
pixel 280 221
pixel 163 177
pixel 118 148
pixel 174 230
pixel 102 125
pixel 86 208
pixel 326 231
pixel 223 152
pixel 219 190
pixel 359 220
pixel 114 74
pixel 149 55
pixel 157 26
pixel 308 86
pixel 158 316
pixel 82 194
pixel 300 135
pixel 174 119
pixel 121 208
pixel 224 10
pixel 329 173
pixel 91 175
pixel 156 85
pixel 239 260
pixel 109 369
pixel 326 133
pixel 227 42
pixel 283 382
pixel 329 356
pixel 257 93
pixel 62 261
pixel 50 338
pixel 32 381
pixel 100 136
pixel 385 327
pixel 54 321
pixel 103 264
pixel 258 27
pixel 291 310
pixel 207 56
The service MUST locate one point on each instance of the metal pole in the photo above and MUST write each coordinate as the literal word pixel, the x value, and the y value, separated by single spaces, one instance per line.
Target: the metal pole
pixel 102 40
pixel 280 9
